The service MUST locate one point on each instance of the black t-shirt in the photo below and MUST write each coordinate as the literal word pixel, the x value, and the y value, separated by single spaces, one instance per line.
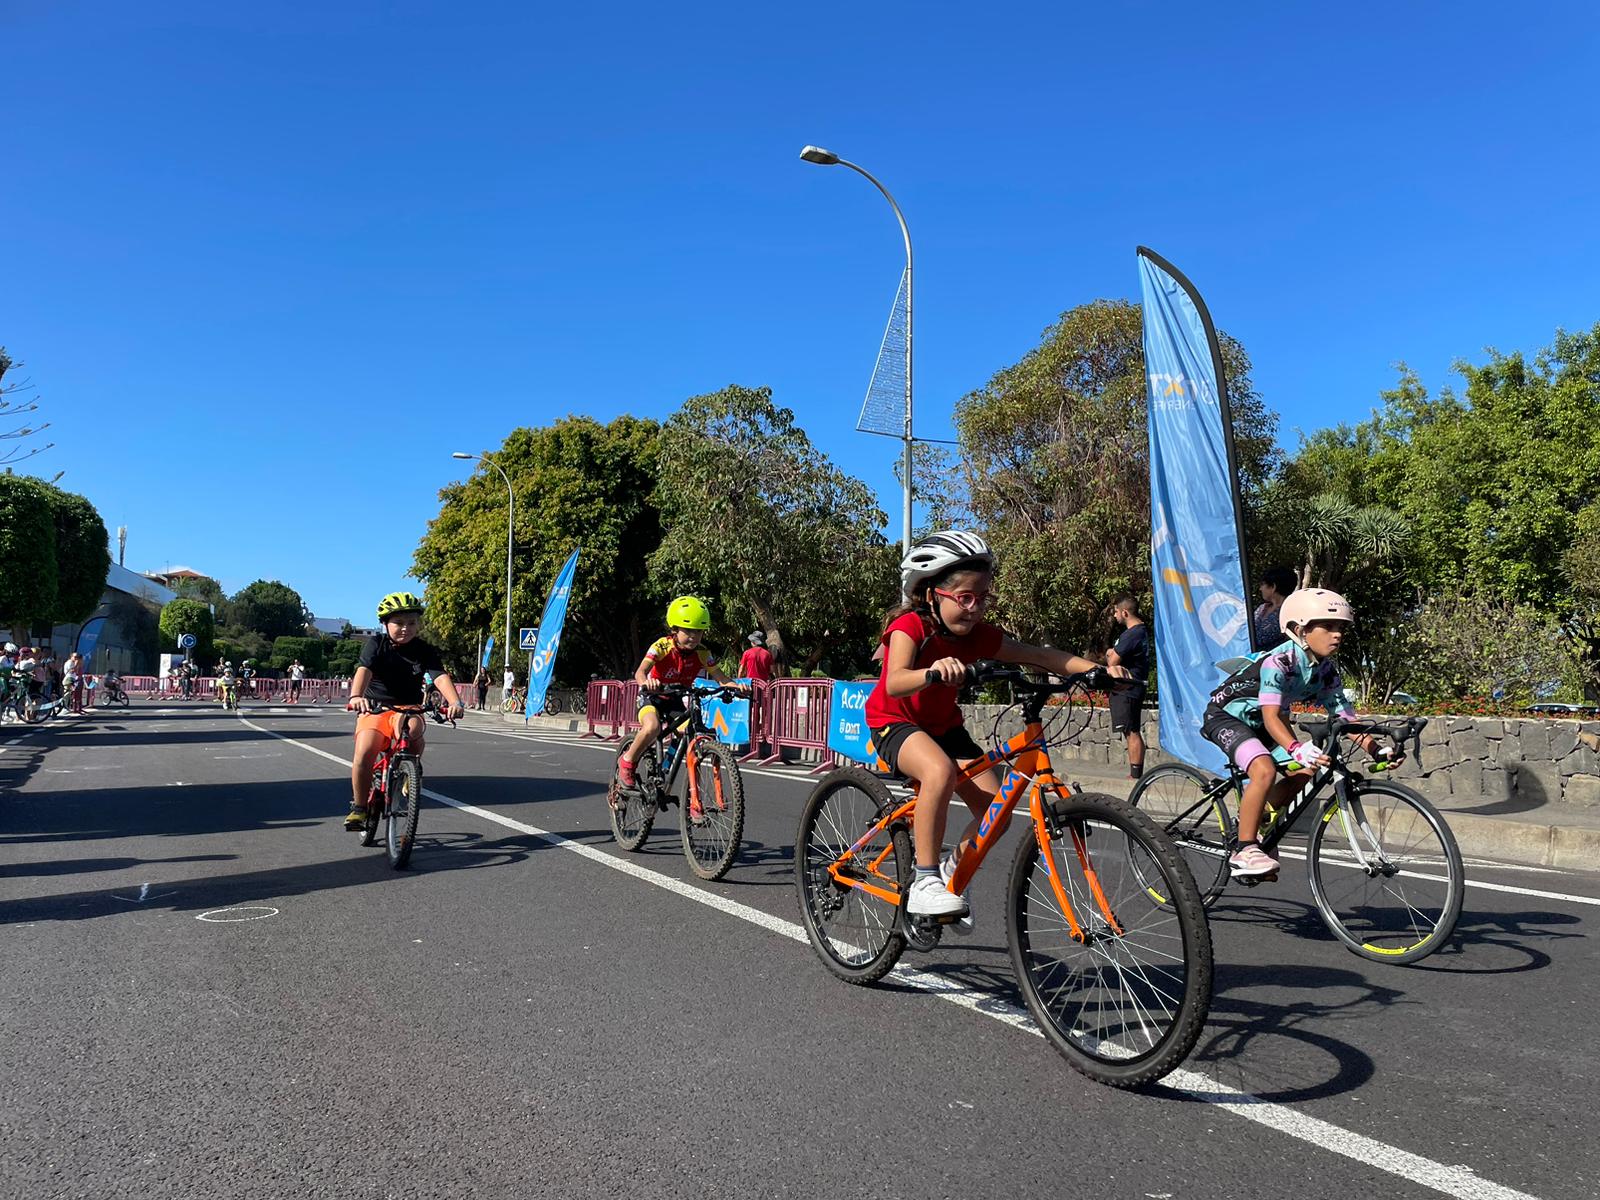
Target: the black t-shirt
pixel 397 670
pixel 1133 648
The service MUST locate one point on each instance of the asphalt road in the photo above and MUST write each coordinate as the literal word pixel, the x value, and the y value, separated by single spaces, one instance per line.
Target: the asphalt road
pixel 208 989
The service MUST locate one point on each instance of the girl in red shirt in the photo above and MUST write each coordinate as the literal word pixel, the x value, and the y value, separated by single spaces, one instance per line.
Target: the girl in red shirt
pixel 917 729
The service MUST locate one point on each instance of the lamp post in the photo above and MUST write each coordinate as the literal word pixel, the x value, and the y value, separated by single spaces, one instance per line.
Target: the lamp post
pixel 827 158
pixel 511 506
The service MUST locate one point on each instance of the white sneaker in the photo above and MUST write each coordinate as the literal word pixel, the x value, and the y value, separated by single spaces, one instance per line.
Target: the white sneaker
pixel 930 898
pixel 947 869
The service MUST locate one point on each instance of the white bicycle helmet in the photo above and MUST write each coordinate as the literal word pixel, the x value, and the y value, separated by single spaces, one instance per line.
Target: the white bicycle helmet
pixel 1312 604
pixel 936 554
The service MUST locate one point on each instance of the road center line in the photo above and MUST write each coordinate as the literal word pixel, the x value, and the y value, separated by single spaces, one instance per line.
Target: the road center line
pixel 1458 1181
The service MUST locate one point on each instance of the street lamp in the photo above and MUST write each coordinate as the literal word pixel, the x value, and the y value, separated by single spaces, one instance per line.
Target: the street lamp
pixel 511 507
pixel 827 158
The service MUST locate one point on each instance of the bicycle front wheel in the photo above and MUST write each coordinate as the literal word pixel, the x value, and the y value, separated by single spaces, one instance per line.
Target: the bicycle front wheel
pixel 856 933
pixel 1189 807
pixel 1386 873
pixel 1118 980
pixel 713 811
pixel 633 812
pixel 405 803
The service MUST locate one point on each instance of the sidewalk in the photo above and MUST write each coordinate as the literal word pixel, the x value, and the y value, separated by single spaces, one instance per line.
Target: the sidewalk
pixel 1550 835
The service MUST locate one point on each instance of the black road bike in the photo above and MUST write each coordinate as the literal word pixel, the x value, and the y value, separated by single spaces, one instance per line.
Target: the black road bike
pixel 1385 872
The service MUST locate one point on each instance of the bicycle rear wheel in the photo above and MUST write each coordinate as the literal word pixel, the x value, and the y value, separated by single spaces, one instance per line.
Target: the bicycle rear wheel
pixel 711 835
pixel 633 812
pixel 405 804
pixel 1386 873
pixel 855 933
pixel 1125 1000
pixel 1174 796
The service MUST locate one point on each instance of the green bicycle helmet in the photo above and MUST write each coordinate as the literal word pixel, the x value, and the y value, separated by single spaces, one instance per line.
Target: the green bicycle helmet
pixel 398 602
pixel 688 613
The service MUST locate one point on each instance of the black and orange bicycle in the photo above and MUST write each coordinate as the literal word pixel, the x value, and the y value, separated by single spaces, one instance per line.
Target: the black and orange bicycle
pixel 395 799
pixel 1107 932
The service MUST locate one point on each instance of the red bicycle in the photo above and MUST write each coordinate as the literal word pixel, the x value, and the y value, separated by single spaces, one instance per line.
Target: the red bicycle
pixel 395 798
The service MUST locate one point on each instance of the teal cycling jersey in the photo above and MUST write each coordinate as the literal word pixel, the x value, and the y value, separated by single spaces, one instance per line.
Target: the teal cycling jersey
pixel 1283 676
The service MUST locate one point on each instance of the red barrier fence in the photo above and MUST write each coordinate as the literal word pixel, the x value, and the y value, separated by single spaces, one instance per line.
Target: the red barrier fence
pixel 276 691
pixel 785 714
pixel 614 703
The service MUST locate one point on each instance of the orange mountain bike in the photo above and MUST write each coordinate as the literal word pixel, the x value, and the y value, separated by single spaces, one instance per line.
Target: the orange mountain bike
pixel 1107 932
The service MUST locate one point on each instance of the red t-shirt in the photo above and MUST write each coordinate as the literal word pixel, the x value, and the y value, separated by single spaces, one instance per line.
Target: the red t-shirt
pixel 756 663
pixel 934 708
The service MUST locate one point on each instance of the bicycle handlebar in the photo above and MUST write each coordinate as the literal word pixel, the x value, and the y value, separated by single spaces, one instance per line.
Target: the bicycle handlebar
pixel 1398 734
pixel 992 672
pixel 728 691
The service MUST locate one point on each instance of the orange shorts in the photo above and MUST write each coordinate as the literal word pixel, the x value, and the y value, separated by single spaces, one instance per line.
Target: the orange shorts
pixel 386 723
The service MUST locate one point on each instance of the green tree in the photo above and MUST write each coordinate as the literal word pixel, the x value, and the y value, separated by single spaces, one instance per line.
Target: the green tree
pixel 207 589
pixel 578 484
pixel 309 650
pixel 27 552
pixel 759 519
pixel 1477 644
pixel 343 655
pixel 1055 451
pixel 1492 483
pixel 270 609
pixel 187 616
pixel 82 560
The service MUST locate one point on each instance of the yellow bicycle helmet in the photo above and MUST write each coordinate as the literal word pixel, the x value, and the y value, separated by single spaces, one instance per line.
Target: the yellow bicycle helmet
pixel 688 613
pixel 398 602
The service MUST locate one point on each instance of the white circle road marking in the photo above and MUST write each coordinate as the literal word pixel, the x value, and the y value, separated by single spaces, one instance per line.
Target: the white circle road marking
pixel 242 912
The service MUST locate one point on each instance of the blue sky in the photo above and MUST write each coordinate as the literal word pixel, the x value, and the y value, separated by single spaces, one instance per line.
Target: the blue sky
pixel 325 245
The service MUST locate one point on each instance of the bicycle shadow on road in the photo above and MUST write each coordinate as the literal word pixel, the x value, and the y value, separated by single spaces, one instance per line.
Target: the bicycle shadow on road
pixel 88 866
pixel 1498 943
pixel 1306 1062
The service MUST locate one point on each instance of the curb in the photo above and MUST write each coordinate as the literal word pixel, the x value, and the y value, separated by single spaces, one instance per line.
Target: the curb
pixel 1527 843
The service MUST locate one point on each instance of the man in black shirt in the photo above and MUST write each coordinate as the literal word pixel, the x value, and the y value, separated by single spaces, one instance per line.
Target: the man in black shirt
pixel 391 673
pixel 1127 704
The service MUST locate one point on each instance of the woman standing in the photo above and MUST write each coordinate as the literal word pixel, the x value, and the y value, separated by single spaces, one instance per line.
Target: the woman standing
pixel 1275 587
pixel 72 674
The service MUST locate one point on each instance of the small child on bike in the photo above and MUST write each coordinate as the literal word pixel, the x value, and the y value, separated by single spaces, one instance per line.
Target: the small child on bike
pixel 675 660
pixel 394 664
pixel 1251 710
pixel 917 729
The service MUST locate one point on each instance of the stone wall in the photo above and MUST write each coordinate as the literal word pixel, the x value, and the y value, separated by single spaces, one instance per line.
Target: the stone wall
pixel 1489 765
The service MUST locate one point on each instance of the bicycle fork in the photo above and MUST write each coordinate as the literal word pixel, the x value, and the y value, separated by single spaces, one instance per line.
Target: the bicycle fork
pixel 1046 825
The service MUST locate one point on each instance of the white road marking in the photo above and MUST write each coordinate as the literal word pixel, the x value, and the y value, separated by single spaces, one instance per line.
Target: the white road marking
pixel 144 894
pixel 239 912
pixel 269 754
pixel 1458 1181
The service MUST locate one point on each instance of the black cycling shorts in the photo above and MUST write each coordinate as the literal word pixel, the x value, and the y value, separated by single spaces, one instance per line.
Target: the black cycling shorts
pixel 957 743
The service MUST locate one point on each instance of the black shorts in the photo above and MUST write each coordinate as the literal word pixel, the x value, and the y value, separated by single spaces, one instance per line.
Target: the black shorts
pixel 957 743
pixel 666 707
pixel 1127 705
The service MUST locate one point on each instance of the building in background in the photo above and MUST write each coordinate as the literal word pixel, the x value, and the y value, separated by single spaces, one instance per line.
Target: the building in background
pixel 121 633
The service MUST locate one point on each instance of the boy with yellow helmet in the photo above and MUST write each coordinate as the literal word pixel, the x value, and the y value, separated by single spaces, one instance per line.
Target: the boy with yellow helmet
pixel 676 660
pixel 394 665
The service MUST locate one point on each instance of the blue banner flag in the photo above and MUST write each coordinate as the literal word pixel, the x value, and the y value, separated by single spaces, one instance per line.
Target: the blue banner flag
pixel 729 719
pixel 487 650
pixel 847 725
pixel 1197 555
pixel 543 664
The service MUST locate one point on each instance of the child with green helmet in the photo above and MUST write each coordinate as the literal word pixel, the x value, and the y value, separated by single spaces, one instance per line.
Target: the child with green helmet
pixel 675 660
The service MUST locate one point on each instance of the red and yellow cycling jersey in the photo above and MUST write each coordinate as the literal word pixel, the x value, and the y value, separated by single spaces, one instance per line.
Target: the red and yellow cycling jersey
pixel 674 666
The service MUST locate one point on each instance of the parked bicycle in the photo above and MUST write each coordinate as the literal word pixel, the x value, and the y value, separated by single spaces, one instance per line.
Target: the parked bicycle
pixel 1386 874
pixel 713 803
pixel 515 702
pixel 395 800
pixel 1118 980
